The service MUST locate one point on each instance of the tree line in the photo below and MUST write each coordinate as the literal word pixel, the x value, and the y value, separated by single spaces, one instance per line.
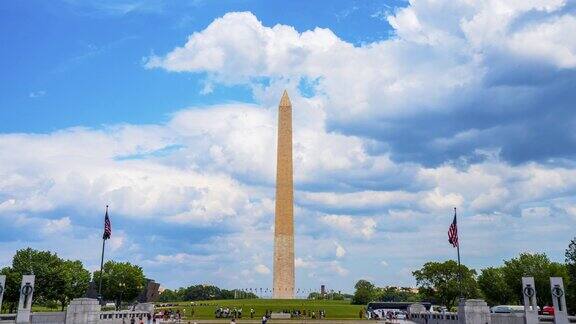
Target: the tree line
pixel 365 292
pixel 58 281
pixel 203 292
pixel 438 282
pixel 332 295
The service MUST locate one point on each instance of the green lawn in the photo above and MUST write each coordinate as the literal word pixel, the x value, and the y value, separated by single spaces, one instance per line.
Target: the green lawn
pixel 334 309
pixel 37 308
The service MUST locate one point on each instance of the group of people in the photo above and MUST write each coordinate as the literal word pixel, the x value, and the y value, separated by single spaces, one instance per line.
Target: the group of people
pixel 380 314
pixel 169 314
pixel 225 312
pixel 231 313
pixel 148 319
pixel 312 314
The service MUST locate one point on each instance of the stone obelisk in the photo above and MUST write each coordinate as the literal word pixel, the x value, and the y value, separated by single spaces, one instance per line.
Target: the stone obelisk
pixel 284 219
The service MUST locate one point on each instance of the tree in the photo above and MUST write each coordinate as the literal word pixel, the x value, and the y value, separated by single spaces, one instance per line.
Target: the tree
pixel 121 281
pixel 364 292
pixel 11 289
pixel 439 281
pixel 571 267
pixel 395 294
pixel 203 292
pixel 537 266
pixel 332 295
pixel 169 295
pixel 206 292
pixel 315 295
pixel 55 279
pixel 76 281
pixel 493 285
pixel 46 267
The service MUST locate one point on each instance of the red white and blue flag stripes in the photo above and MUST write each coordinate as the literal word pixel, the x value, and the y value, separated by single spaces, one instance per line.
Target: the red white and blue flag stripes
pixel 107 226
pixel 453 232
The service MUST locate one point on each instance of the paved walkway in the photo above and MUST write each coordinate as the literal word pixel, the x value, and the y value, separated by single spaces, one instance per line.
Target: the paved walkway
pixel 278 321
pixel 293 321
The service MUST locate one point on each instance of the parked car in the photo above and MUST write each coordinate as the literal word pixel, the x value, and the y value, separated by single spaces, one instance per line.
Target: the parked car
pixel 548 310
pixel 507 309
pixel 438 309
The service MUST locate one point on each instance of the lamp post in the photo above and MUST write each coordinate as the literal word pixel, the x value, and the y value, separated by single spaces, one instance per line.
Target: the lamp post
pixel 121 286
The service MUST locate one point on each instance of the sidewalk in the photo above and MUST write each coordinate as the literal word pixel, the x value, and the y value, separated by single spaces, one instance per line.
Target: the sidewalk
pixel 292 321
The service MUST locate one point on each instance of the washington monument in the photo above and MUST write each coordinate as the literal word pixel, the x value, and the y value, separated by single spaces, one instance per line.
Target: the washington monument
pixel 284 219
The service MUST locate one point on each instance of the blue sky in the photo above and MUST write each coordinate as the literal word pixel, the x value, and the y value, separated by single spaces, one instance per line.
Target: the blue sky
pixel 402 110
pixel 85 59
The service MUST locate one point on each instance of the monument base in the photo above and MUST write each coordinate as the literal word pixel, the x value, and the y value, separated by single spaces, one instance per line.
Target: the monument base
pixel 147 307
pixel 280 316
pixel 83 311
pixel 473 311
pixel 23 316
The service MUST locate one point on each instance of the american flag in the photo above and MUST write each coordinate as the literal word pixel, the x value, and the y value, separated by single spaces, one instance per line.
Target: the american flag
pixel 453 232
pixel 107 226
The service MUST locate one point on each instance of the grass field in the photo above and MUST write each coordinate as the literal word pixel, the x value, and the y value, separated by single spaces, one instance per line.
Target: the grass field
pixel 36 308
pixel 333 309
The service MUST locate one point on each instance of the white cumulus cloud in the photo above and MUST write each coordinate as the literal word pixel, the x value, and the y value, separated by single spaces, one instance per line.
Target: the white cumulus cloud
pixel 262 269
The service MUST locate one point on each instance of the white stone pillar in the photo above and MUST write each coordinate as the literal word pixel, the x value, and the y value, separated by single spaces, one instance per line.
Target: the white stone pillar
pixel 559 300
pixel 25 302
pixel 147 307
pixel 530 304
pixel 2 288
pixel 416 308
pixel 414 312
pixel 83 311
pixel 473 311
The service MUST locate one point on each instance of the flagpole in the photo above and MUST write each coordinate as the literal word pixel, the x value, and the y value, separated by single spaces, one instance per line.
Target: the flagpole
pixel 459 269
pixel 102 264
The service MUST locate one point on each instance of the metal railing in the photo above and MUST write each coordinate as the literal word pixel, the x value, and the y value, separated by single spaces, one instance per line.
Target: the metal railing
pixel 434 317
pixel 112 315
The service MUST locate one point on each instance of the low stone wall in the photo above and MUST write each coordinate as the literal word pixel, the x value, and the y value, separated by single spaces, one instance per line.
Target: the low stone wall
pixel 279 321
pixel 87 311
pixel 48 317
pixel 280 316
pixel 7 318
pixel 498 318
pixel 512 318
pixel 434 318
pixel 83 311
pixel 145 307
